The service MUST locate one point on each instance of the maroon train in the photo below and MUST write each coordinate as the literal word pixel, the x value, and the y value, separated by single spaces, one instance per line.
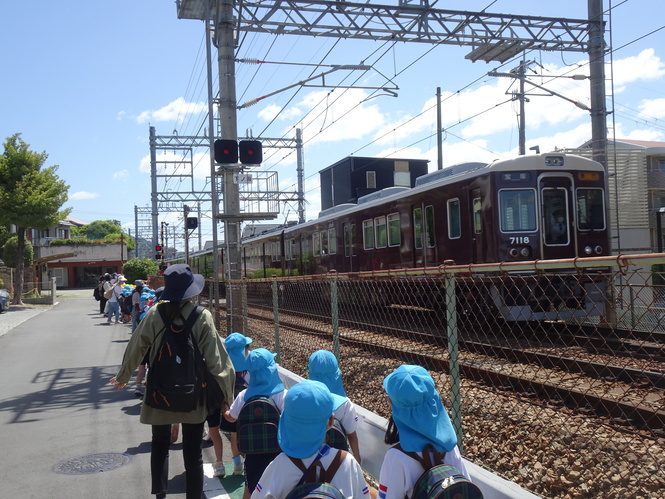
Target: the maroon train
pixel 537 207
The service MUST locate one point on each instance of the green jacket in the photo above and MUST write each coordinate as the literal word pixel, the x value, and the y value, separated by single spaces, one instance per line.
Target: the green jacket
pixel 149 334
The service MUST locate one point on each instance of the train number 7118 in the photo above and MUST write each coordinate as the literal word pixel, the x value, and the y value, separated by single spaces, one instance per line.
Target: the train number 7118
pixel 519 240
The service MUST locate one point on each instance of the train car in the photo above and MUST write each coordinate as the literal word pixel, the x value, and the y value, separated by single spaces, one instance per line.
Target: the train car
pixel 538 207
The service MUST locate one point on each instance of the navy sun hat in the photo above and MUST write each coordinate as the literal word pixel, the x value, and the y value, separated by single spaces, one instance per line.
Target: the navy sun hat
pixel 158 293
pixel 323 367
pixel 265 377
pixel 304 422
pixel 235 344
pixel 180 283
pixel 417 410
pixel 139 283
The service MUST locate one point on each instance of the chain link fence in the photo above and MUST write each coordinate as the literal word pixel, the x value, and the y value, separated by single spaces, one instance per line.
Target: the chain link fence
pixel 554 378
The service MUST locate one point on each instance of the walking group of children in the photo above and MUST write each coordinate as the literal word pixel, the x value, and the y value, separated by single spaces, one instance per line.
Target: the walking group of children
pixel 294 454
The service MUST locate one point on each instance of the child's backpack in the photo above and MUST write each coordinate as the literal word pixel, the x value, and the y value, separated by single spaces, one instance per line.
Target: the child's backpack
pixel 257 426
pixel 175 378
pixel 336 436
pixel 311 487
pixel 440 481
pixel 126 303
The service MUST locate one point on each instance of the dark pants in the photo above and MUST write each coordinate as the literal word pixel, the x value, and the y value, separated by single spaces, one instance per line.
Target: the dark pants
pixel 102 304
pixel 255 465
pixel 192 435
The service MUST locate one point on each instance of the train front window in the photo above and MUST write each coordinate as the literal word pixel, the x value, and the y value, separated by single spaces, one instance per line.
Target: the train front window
pixel 590 209
pixel 517 210
pixel 555 216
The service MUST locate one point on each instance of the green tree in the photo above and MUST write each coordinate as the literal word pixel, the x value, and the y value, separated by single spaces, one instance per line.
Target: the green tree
pixel 30 197
pixel 139 268
pixel 108 231
pixel 4 237
pixel 10 252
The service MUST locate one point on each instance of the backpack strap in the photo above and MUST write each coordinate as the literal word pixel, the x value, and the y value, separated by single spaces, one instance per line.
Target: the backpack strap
pixel 430 456
pixel 325 475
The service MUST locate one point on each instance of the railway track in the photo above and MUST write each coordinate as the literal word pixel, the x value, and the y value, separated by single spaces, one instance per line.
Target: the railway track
pixel 621 395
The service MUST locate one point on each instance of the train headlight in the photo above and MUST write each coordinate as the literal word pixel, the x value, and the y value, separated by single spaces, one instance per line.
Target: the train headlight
pixel 598 250
pixel 524 252
pixel 588 250
pixel 513 252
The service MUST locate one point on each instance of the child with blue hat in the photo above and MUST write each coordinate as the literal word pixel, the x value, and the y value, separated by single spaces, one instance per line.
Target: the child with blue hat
pixel 418 419
pixel 307 415
pixel 237 346
pixel 264 381
pixel 323 367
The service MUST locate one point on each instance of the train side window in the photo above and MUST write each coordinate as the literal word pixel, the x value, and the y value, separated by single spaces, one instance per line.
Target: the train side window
pixel 477 216
pixel 517 210
pixel 454 221
pixel 590 209
pixel 380 232
pixel 316 244
pixel 368 234
pixel 418 227
pixel 332 241
pixel 349 249
pixel 324 242
pixel 429 225
pixel 394 237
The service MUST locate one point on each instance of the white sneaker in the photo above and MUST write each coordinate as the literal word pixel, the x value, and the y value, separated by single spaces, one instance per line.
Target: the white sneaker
pixel 219 471
pixel 238 469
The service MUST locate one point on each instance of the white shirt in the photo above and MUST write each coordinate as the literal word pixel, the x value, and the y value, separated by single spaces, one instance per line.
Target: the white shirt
pixel 239 402
pixel 117 290
pixel 346 414
pixel 281 476
pixel 399 472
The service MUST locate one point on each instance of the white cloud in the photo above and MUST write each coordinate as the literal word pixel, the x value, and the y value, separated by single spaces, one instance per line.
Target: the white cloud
pixel 644 66
pixel 654 108
pixel 173 111
pixel 120 175
pixel 80 195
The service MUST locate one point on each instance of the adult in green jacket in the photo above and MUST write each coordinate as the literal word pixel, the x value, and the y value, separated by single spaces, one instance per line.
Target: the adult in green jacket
pixel 180 284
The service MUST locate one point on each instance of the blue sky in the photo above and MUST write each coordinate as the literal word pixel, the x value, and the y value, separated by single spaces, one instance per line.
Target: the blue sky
pixel 83 81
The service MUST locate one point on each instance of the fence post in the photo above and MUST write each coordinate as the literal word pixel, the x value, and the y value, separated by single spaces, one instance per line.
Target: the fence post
pixel 275 309
pixel 334 312
pixel 632 305
pixel 243 297
pixel 53 289
pixel 453 354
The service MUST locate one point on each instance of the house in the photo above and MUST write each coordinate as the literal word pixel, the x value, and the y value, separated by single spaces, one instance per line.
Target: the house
pixel 73 265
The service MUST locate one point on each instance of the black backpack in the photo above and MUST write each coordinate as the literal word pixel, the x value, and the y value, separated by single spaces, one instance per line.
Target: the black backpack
pixel 126 303
pixel 311 487
pixel 257 426
pixel 440 481
pixel 336 436
pixel 176 378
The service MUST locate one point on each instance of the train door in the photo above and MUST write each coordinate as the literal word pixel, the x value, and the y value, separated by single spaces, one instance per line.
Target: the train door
pixel 349 230
pixel 424 242
pixel 557 217
pixel 477 239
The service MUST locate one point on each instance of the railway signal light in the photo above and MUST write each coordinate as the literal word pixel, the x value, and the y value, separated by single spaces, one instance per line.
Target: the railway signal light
pixel 251 152
pixel 226 151
pixel 158 248
pixel 192 223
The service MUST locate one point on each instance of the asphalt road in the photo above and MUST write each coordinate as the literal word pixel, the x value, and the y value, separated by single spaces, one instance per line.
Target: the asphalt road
pixel 65 432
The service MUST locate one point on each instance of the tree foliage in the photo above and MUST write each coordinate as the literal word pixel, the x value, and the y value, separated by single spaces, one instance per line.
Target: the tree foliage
pixel 139 268
pixel 108 231
pixel 31 197
pixel 9 251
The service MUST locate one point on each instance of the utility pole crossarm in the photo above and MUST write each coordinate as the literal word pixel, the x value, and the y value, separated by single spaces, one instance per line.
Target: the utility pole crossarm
pixel 401 22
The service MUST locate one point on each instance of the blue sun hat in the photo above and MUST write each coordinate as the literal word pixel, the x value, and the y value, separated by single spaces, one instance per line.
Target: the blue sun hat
pixel 265 378
pixel 323 367
pixel 304 422
pixel 418 412
pixel 235 344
